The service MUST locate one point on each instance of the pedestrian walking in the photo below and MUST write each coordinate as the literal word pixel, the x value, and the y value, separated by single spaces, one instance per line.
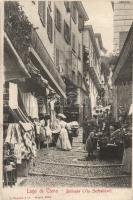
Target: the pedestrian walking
pixel 63 140
pixel 70 133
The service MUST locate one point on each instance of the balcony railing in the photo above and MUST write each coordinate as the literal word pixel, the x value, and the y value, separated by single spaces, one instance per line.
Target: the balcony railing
pixel 69 65
pixel 91 69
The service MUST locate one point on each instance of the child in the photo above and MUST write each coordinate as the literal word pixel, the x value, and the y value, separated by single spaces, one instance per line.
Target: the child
pixel 90 144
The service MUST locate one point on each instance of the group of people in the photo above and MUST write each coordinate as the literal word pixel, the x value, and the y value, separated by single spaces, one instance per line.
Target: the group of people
pixel 61 136
pixel 117 133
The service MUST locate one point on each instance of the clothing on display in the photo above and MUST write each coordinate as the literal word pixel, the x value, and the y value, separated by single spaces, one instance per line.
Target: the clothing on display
pixel 52 102
pixel 13 95
pixel 30 103
pixel 22 140
pixel 52 111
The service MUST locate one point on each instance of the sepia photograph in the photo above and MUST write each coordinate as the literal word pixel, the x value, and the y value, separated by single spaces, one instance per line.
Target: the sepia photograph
pixel 67 95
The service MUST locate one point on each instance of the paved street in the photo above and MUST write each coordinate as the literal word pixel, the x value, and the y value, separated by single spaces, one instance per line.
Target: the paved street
pixel 69 168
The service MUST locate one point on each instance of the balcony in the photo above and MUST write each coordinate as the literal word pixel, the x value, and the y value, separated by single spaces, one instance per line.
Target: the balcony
pixel 91 68
pixel 68 64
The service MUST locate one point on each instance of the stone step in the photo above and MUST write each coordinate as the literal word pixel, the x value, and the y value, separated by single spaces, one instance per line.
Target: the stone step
pixel 87 170
pixel 79 177
pixel 61 181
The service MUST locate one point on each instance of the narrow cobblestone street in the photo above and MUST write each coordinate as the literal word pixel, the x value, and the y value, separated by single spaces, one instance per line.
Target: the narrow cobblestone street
pixel 69 168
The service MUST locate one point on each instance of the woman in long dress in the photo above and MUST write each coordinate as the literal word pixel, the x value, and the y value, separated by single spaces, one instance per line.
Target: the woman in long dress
pixel 63 140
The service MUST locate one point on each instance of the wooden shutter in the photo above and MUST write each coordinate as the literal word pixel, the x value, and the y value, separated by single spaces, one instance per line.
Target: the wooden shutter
pixel 74 13
pixel 57 58
pixel 67 5
pixel 49 26
pixel 67 32
pixel 58 19
pixel 79 51
pixel 73 42
pixel 42 12
pixel 80 23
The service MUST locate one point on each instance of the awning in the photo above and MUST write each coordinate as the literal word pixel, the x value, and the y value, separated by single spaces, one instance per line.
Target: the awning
pixel 14 67
pixel 42 60
pixel 123 69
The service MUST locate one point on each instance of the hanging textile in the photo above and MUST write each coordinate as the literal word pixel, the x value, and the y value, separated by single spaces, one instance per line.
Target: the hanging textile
pixel 13 95
pixel 22 137
pixel 42 104
pixel 31 104
pixel 52 103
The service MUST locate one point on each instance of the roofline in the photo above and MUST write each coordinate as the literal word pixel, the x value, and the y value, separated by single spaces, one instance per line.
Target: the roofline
pixel 112 2
pixel 125 51
pixel 90 29
pixel 80 6
pixel 99 36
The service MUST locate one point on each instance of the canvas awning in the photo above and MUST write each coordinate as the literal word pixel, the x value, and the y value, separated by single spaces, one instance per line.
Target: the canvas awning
pixel 123 69
pixel 14 67
pixel 41 59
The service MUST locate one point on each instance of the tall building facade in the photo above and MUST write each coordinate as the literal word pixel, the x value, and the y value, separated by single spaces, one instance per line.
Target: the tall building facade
pixel 92 65
pixel 122 19
pixel 68 30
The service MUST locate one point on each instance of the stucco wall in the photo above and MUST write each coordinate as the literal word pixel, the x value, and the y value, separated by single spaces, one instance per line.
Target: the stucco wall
pixel 31 11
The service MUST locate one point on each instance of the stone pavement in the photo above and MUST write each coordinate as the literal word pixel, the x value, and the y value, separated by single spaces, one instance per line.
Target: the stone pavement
pixel 54 167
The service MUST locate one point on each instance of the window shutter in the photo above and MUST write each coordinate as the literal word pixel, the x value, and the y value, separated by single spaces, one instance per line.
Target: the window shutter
pixel 74 13
pixel 67 5
pixel 57 58
pixel 79 51
pixel 73 42
pixel 58 19
pixel 42 12
pixel 49 26
pixel 80 23
pixel 67 32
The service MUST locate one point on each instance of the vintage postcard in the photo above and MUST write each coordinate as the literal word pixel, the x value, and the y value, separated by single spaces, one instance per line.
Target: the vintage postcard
pixel 66 99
